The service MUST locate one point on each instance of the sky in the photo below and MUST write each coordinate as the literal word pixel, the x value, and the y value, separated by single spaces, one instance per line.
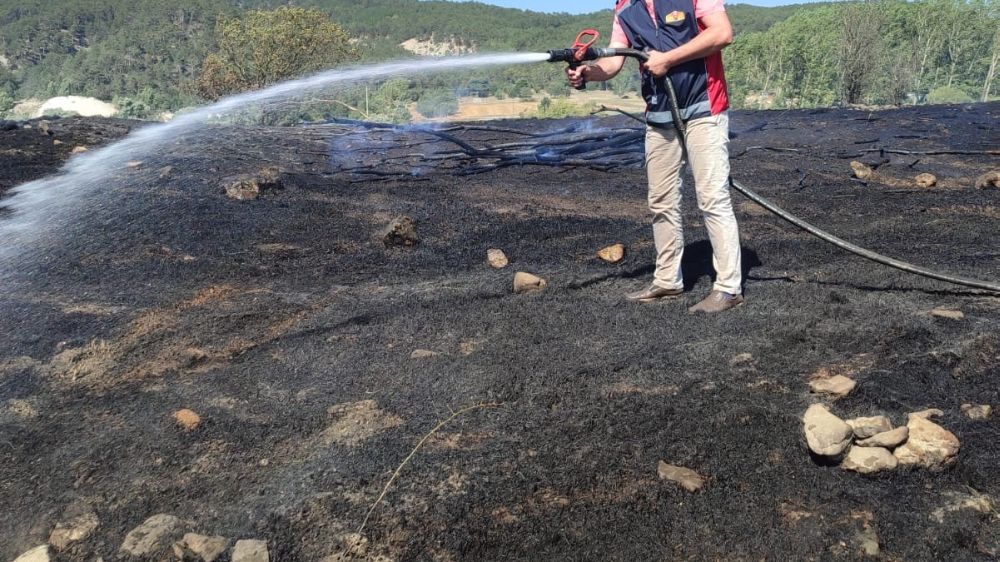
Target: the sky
pixel 587 6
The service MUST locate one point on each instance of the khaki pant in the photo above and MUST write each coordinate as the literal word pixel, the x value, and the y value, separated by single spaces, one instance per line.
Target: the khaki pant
pixel 708 148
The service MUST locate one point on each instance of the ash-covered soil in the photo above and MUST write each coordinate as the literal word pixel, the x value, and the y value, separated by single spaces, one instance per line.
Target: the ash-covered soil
pixel 288 327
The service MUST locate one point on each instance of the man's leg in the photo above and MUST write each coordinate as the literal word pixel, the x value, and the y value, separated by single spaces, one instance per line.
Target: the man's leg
pixel 663 167
pixel 708 149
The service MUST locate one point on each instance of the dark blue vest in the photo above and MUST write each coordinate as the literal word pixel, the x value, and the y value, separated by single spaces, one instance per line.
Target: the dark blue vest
pixel 675 25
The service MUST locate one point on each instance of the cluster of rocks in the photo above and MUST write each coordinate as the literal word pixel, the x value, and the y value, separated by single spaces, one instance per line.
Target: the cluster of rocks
pixel 865 172
pixel 873 444
pixel 161 537
pixel 525 282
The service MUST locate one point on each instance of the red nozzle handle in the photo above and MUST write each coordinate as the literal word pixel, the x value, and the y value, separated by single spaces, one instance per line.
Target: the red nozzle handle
pixel 582 43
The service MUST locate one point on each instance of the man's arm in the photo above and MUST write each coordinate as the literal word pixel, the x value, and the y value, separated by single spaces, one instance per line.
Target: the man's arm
pixel 716 35
pixel 600 71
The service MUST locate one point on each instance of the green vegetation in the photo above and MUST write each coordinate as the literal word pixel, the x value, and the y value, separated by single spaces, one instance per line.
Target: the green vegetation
pixel 153 56
pixel 557 109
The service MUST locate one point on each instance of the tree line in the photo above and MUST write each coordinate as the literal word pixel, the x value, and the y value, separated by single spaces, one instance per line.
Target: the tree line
pixel 150 56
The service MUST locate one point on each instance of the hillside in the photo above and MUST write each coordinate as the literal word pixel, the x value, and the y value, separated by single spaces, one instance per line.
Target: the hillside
pixel 150 50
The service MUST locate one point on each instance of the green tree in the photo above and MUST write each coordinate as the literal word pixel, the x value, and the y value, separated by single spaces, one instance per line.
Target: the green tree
pixel 262 47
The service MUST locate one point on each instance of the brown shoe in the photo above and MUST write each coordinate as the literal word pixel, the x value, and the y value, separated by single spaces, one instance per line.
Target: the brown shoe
pixel 654 293
pixel 717 301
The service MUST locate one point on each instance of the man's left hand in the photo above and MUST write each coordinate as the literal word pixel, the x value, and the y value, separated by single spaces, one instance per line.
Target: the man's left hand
pixel 658 64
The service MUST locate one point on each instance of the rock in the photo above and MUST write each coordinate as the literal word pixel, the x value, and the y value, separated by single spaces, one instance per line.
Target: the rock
pixel 927 414
pixel 837 386
pixel 867 460
pixel 81 522
pixel 949 313
pixel 133 164
pixel 527 283
pixel 866 427
pixel 989 180
pixel 977 412
pixel 57 142
pixel 37 554
pixel 78 150
pixel 250 551
pixel 612 254
pixel 166 172
pixel 200 547
pixel 8 125
pixel 402 231
pixel 868 540
pixel 249 187
pixel 925 180
pixel 888 439
pixel 958 501
pixel 154 536
pixel 188 419
pixel 423 354
pixel 685 477
pixel 45 128
pixel 929 445
pixel 740 359
pixel 496 258
pixel 826 434
pixel 862 171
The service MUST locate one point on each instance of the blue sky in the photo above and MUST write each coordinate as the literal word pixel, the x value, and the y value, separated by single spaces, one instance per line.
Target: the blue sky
pixel 586 6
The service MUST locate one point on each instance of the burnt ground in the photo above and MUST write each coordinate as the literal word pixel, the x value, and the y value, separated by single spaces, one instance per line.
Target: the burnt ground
pixel 288 326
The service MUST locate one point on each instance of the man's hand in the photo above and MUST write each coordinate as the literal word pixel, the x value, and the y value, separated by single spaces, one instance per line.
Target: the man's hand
pixel 658 64
pixel 577 76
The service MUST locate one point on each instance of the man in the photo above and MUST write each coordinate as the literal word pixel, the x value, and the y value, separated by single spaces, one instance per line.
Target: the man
pixel 684 39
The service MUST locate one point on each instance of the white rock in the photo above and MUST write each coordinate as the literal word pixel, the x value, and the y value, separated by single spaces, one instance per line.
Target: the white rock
pixel 866 427
pixel 685 477
pixel 156 534
pixel 74 529
pixel 423 354
pixel 496 258
pixel 826 434
pixel 837 386
pixel 867 460
pixel 250 551
pixel 528 283
pixel 200 546
pixel 977 412
pixel 37 554
pixel 888 439
pixel 928 445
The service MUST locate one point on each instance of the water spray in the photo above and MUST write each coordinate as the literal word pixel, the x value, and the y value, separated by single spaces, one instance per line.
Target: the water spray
pixel 583 50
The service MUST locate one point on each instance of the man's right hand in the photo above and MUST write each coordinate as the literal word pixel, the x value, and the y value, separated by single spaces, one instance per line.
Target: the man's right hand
pixel 577 76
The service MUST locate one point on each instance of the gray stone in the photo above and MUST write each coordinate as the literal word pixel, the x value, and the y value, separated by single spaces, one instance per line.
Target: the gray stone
pixel 866 427
pixel 685 477
pixel 888 439
pixel 250 551
pixel 155 535
pixel 836 386
pixel 867 460
pixel 826 434
pixel 200 547
pixel 37 554
pixel 862 171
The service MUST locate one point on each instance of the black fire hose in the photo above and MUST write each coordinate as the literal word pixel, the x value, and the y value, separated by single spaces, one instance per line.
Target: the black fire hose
pixel 567 55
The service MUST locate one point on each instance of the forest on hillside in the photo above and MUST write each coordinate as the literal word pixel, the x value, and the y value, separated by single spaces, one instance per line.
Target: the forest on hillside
pixel 147 55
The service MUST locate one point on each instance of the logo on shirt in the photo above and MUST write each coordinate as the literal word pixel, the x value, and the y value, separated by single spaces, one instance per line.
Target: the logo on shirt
pixel 675 18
